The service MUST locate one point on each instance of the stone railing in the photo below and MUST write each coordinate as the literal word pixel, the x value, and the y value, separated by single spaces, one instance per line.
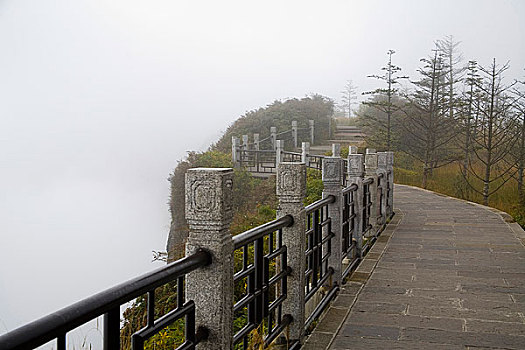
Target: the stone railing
pixel 287 270
pixel 263 155
pixel 268 284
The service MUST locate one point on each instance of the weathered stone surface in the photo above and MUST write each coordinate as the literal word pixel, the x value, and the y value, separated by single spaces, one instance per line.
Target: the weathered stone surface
pixel 291 188
pixel 450 277
pixel 209 214
pixel 209 198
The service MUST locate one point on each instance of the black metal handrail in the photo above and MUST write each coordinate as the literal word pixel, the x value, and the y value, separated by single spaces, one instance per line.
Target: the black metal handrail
pixel 257 232
pixel 318 273
pixel 320 203
pixel 261 281
pixel 348 243
pixel 107 303
pixel 366 213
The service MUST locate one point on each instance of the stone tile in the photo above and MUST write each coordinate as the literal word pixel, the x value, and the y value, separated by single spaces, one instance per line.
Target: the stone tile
pixel 369 331
pixel 425 309
pixel 331 320
pixel 344 300
pixel 464 338
pixel 317 341
pixel 495 327
pixel 404 321
pixel 452 276
pixel 351 343
pixel 384 308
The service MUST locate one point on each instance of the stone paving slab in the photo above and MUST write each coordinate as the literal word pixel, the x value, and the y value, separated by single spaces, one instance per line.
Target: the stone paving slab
pixel 448 275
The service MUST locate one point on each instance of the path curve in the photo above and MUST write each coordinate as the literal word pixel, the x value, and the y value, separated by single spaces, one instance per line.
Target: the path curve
pixel 445 274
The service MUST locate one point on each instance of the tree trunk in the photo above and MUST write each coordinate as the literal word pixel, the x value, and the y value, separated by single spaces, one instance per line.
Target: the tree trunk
pixel 521 163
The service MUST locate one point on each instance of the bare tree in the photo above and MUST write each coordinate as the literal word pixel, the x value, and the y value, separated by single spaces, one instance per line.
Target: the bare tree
pixel 386 105
pixel 495 136
pixel 448 48
pixel 469 114
pixel 520 151
pixel 349 98
pixel 428 127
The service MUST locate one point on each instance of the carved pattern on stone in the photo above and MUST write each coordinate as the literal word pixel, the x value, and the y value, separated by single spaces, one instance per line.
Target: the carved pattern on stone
pixel 331 170
pixel 203 196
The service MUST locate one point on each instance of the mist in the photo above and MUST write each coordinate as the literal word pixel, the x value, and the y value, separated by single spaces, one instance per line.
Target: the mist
pixel 100 99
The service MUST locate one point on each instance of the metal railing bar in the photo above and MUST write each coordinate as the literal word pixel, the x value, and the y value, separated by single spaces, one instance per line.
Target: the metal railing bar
pixel 320 283
pixel 350 267
pixel 322 305
pixel 244 273
pixel 286 320
pixel 164 321
pixel 54 325
pixel 243 332
pixel 320 203
pixel 368 181
pixel 262 230
pixel 352 187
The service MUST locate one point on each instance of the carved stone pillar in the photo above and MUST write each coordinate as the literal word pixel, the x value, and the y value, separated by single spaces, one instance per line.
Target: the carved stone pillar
pixel 336 150
pixel 236 152
pixel 273 136
pixel 355 175
pixel 294 133
pixel 291 191
pixel 332 178
pixel 305 153
pixel 382 169
pixel 371 171
pixel 278 152
pixel 209 214
pixel 390 168
pixel 311 124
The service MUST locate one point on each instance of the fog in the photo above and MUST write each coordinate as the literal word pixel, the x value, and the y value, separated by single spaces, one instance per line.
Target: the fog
pixel 99 99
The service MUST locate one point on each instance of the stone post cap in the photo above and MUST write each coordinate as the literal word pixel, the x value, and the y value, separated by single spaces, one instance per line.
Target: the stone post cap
pixel 370 150
pixel 273 129
pixel 279 143
pixel 255 137
pixel 355 165
pixel 244 139
pixel 371 161
pixel 352 149
pixel 235 140
pixel 311 122
pixel 332 170
pixel 209 198
pixel 382 159
pixel 291 182
pixel 294 123
pixel 305 145
pixel 336 149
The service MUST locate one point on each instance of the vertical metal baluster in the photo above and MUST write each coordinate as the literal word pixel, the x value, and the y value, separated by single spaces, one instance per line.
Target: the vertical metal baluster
pixel 250 288
pixel 112 329
pixel 259 271
pixel 61 342
pixel 266 286
pixel 315 242
pixel 189 329
pixel 151 308
pixel 180 291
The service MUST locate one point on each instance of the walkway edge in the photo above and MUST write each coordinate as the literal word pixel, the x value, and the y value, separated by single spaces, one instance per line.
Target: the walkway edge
pixel 333 319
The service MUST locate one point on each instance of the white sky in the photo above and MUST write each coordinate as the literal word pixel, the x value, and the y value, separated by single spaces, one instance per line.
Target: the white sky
pixel 98 99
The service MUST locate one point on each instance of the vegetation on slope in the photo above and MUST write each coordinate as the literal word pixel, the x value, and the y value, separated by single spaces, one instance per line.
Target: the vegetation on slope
pixel 254 201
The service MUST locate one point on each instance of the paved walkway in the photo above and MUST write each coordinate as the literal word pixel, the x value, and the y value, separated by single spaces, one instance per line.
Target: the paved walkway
pixel 445 274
